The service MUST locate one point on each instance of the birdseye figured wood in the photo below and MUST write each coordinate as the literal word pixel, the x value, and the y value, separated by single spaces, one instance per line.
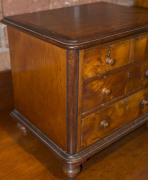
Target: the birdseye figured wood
pixel 116 115
pixel 39 83
pixel 118 84
pixel 95 60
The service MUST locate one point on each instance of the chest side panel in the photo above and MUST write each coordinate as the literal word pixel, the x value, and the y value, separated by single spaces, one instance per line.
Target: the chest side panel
pixel 39 82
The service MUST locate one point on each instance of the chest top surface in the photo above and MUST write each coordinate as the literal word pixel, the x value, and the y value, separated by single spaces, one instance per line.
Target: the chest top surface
pixel 83 26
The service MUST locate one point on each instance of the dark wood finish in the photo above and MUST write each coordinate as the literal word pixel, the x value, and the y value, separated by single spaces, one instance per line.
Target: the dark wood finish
pixel 39 82
pixel 71 170
pixel 116 116
pixel 82 26
pixel 110 86
pixel 141 3
pixel 6 91
pixel 72 100
pixel 98 67
pixel 95 61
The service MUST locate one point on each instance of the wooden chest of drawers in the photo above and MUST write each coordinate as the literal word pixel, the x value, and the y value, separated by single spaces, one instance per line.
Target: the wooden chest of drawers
pixel 80 76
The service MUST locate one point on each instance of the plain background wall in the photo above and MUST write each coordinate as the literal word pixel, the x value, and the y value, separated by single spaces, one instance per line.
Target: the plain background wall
pixel 13 7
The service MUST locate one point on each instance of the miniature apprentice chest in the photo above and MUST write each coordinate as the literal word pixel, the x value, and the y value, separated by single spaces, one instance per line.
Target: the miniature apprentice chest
pixel 80 76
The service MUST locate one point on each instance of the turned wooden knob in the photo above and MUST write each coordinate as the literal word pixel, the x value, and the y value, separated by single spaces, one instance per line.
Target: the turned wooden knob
pixel 110 61
pixel 145 102
pixel 106 91
pixel 105 124
pixel 146 73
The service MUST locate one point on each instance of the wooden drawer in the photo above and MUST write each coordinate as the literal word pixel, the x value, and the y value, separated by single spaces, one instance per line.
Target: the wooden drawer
pixel 104 59
pixel 141 48
pixel 109 87
pixel 104 122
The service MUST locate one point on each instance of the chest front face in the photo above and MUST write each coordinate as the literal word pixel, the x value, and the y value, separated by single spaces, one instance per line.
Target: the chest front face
pixel 114 87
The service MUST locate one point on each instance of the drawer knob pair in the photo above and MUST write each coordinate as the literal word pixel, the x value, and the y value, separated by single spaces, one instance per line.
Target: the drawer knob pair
pixel 105 124
pixel 106 91
pixel 145 102
pixel 110 61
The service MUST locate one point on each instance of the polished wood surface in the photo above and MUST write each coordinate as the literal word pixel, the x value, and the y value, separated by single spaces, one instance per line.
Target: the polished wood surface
pixel 72 100
pixel 102 123
pixel 126 159
pixel 95 61
pixel 110 87
pixel 83 26
pixel 72 170
pixel 141 3
pixel 39 82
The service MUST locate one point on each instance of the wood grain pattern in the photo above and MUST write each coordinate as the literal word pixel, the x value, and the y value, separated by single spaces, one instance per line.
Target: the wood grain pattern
pixel 83 26
pixel 39 82
pixel 116 115
pixel 141 3
pixel 118 83
pixel 141 48
pixel 95 60
pixel 72 100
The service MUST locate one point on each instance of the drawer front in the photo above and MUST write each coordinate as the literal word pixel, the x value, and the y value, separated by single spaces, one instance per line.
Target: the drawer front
pixel 104 122
pixel 106 58
pixel 102 91
pixel 141 48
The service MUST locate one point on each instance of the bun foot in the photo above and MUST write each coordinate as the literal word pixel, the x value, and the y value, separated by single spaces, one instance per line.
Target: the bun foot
pixel 71 170
pixel 22 128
